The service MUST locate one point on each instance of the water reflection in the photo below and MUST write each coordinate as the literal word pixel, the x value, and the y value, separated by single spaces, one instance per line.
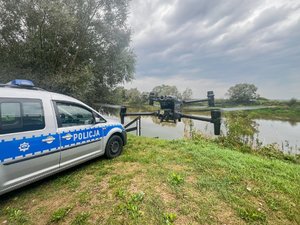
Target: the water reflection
pixel 164 124
pixel 188 128
pixel 293 123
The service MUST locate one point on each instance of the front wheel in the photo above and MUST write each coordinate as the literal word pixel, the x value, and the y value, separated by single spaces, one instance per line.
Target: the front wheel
pixel 114 147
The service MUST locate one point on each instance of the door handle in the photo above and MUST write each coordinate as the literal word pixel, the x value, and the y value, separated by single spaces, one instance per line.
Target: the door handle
pixel 48 140
pixel 67 137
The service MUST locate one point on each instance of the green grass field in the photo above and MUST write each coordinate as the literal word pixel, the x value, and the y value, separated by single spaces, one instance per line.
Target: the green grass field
pixel 163 182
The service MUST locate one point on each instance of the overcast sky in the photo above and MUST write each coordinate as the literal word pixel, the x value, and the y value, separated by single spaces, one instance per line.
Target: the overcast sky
pixel 215 44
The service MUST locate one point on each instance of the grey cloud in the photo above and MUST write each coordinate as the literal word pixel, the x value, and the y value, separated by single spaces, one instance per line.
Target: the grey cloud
pixel 228 41
pixel 211 12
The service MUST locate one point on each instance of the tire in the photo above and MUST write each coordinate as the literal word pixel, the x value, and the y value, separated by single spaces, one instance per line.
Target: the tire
pixel 114 147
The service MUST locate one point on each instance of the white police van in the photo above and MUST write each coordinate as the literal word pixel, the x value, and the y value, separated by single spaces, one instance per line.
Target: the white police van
pixel 42 133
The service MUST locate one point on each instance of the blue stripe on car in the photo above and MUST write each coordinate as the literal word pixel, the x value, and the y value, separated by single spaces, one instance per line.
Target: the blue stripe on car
pixel 20 148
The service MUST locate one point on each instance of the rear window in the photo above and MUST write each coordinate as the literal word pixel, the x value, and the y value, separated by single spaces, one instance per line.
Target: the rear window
pixel 18 115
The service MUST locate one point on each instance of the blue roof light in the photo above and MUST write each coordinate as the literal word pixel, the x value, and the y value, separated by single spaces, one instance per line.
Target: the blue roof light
pixel 22 83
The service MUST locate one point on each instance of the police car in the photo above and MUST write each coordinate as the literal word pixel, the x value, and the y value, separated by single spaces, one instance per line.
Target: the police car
pixel 42 133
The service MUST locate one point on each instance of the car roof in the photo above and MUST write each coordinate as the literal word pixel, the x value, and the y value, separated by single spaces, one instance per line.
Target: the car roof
pixel 11 92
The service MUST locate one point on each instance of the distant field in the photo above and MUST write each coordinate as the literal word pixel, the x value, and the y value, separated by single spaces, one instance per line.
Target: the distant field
pixel 278 113
pixel 163 182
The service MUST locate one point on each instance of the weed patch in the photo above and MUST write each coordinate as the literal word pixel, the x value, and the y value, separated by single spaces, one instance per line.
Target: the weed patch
pixel 175 179
pixel 132 204
pixel 16 216
pixel 169 218
pixel 60 214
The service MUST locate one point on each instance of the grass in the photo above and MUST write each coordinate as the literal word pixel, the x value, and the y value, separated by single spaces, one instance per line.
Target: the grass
pixel 81 219
pixel 163 182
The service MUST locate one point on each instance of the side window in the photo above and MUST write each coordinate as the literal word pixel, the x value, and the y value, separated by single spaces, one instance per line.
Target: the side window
pixel 74 115
pixel 33 118
pixel 11 120
pixel 17 115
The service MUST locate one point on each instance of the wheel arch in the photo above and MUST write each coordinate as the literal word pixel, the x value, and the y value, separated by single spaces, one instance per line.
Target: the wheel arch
pixel 117 131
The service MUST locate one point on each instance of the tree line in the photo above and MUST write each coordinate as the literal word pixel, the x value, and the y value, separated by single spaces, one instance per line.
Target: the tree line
pixel 135 97
pixel 239 94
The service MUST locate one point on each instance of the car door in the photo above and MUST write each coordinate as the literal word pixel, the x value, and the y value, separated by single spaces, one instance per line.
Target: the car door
pixel 81 137
pixel 29 145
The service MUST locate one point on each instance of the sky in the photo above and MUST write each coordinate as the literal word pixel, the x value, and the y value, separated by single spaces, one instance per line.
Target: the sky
pixel 213 45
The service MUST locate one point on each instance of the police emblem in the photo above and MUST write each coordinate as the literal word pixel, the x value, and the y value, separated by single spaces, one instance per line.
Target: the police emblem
pixel 24 147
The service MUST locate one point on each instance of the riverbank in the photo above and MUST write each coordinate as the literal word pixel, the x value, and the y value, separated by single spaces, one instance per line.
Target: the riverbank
pixel 284 113
pixel 164 182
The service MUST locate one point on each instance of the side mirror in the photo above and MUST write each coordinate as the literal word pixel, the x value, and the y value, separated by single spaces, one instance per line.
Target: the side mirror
pixel 97 120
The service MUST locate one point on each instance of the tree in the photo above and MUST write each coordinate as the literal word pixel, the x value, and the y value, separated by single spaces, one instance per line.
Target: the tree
pixel 187 94
pixel 243 93
pixel 133 96
pixel 163 90
pixel 118 96
pixel 145 97
pixel 77 47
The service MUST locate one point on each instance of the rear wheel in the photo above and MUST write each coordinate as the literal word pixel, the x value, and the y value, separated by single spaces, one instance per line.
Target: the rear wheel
pixel 114 147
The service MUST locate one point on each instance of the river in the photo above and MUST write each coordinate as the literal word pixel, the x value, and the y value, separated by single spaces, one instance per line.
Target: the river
pixel 285 134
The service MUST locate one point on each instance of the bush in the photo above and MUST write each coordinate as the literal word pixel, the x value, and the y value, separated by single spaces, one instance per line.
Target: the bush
pixel 292 102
